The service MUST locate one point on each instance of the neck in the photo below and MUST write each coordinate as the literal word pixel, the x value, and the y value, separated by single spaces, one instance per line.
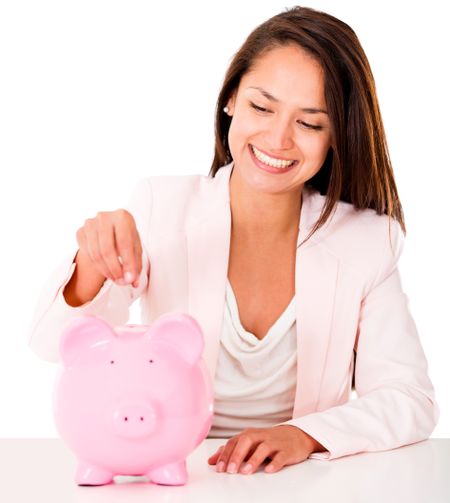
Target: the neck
pixel 257 214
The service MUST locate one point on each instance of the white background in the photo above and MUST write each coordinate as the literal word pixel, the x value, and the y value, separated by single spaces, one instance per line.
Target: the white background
pixel 97 94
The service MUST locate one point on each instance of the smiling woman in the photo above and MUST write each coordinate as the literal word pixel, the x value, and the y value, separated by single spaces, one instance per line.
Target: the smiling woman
pixel 293 311
pixel 269 135
pixel 301 87
pixel 301 113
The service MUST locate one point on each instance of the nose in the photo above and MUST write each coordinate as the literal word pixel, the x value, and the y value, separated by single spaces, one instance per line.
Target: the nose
pixel 134 419
pixel 280 134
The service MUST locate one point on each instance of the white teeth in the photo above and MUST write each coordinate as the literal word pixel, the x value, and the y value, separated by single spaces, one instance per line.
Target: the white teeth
pixel 270 161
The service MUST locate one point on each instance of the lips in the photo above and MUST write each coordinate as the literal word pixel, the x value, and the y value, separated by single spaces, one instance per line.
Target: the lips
pixel 266 167
pixel 275 157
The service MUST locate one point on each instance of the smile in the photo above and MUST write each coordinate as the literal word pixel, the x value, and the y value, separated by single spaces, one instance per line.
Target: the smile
pixel 271 161
pixel 270 164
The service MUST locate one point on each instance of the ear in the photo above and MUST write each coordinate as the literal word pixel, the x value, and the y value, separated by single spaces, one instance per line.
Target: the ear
pixel 83 338
pixel 182 332
pixel 230 104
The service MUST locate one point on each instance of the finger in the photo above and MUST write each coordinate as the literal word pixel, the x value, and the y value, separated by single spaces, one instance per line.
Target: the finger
pixel 93 248
pixel 218 451
pixel 261 453
pixel 225 454
pixel 251 451
pixel 124 241
pixel 107 246
pixel 138 258
pixel 213 459
pixel 277 463
pixel 238 454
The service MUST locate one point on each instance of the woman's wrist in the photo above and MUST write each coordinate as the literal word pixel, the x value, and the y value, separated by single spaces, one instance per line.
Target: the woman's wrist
pixel 311 443
pixel 315 445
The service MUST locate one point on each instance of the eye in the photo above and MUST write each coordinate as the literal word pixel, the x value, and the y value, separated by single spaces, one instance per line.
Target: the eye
pixel 310 126
pixel 256 107
pixel 112 361
pixel 263 110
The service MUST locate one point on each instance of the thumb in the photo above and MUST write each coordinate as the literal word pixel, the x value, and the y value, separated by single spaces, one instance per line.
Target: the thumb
pixel 216 454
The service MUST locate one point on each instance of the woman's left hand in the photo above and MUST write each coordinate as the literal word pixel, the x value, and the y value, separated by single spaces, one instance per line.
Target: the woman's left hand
pixel 284 444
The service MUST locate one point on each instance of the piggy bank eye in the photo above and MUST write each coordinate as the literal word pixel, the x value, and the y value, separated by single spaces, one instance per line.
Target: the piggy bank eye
pixel 112 361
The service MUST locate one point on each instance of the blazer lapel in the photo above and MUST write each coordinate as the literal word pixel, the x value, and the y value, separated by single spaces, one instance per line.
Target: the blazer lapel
pixel 208 232
pixel 316 273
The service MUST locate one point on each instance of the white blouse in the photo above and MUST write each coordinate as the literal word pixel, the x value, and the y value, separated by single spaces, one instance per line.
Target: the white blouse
pixel 255 380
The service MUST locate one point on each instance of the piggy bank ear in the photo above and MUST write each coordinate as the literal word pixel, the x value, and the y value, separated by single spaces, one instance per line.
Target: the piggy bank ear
pixel 182 332
pixel 84 336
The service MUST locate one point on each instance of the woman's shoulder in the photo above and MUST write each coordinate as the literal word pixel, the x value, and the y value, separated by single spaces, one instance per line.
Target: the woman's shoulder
pixel 179 185
pixel 359 237
pixel 172 200
pixel 347 221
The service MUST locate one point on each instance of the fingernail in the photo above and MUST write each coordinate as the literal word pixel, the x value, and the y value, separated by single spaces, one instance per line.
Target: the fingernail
pixel 231 468
pixel 220 466
pixel 247 468
pixel 128 277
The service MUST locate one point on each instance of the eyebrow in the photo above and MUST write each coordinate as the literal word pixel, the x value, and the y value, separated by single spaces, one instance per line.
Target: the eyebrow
pixel 309 110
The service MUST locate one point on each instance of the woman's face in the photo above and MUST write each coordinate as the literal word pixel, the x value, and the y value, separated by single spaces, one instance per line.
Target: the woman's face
pixel 281 129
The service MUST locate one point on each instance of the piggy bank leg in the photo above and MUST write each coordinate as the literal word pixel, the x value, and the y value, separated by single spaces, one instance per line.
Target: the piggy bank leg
pixel 91 475
pixel 174 474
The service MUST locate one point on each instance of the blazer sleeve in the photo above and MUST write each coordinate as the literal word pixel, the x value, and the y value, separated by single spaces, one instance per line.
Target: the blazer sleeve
pixel 396 402
pixel 111 303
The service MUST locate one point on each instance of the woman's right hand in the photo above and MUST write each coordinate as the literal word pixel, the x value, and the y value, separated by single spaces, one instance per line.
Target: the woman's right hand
pixel 111 242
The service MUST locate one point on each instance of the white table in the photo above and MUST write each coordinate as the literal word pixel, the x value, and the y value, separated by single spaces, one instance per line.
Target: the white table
pixel 43 470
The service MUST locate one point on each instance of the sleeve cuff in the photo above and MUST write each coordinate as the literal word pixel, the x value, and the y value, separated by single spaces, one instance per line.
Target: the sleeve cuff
pixel 61 303
pixel 301 423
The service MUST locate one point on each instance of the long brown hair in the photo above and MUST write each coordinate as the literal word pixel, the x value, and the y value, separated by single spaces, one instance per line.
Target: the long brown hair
pixel 357 168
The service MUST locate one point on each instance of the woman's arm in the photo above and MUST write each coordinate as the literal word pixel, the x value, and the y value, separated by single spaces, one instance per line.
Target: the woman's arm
pixel 71 290
pixel 396 402
pixel 85 282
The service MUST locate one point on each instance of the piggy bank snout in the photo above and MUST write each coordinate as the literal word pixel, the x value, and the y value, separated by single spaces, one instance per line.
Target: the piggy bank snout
pixel 134 420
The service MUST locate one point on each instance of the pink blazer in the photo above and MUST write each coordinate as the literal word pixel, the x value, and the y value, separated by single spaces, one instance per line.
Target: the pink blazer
pixel 352 314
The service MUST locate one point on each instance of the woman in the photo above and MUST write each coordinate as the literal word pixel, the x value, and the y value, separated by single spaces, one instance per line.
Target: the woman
pixel 286 254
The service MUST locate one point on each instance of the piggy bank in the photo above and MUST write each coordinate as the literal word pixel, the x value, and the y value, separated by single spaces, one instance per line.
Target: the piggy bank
pixel 133 399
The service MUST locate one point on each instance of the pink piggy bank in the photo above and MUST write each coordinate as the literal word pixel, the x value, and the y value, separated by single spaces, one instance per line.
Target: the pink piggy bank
pixel 133 399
